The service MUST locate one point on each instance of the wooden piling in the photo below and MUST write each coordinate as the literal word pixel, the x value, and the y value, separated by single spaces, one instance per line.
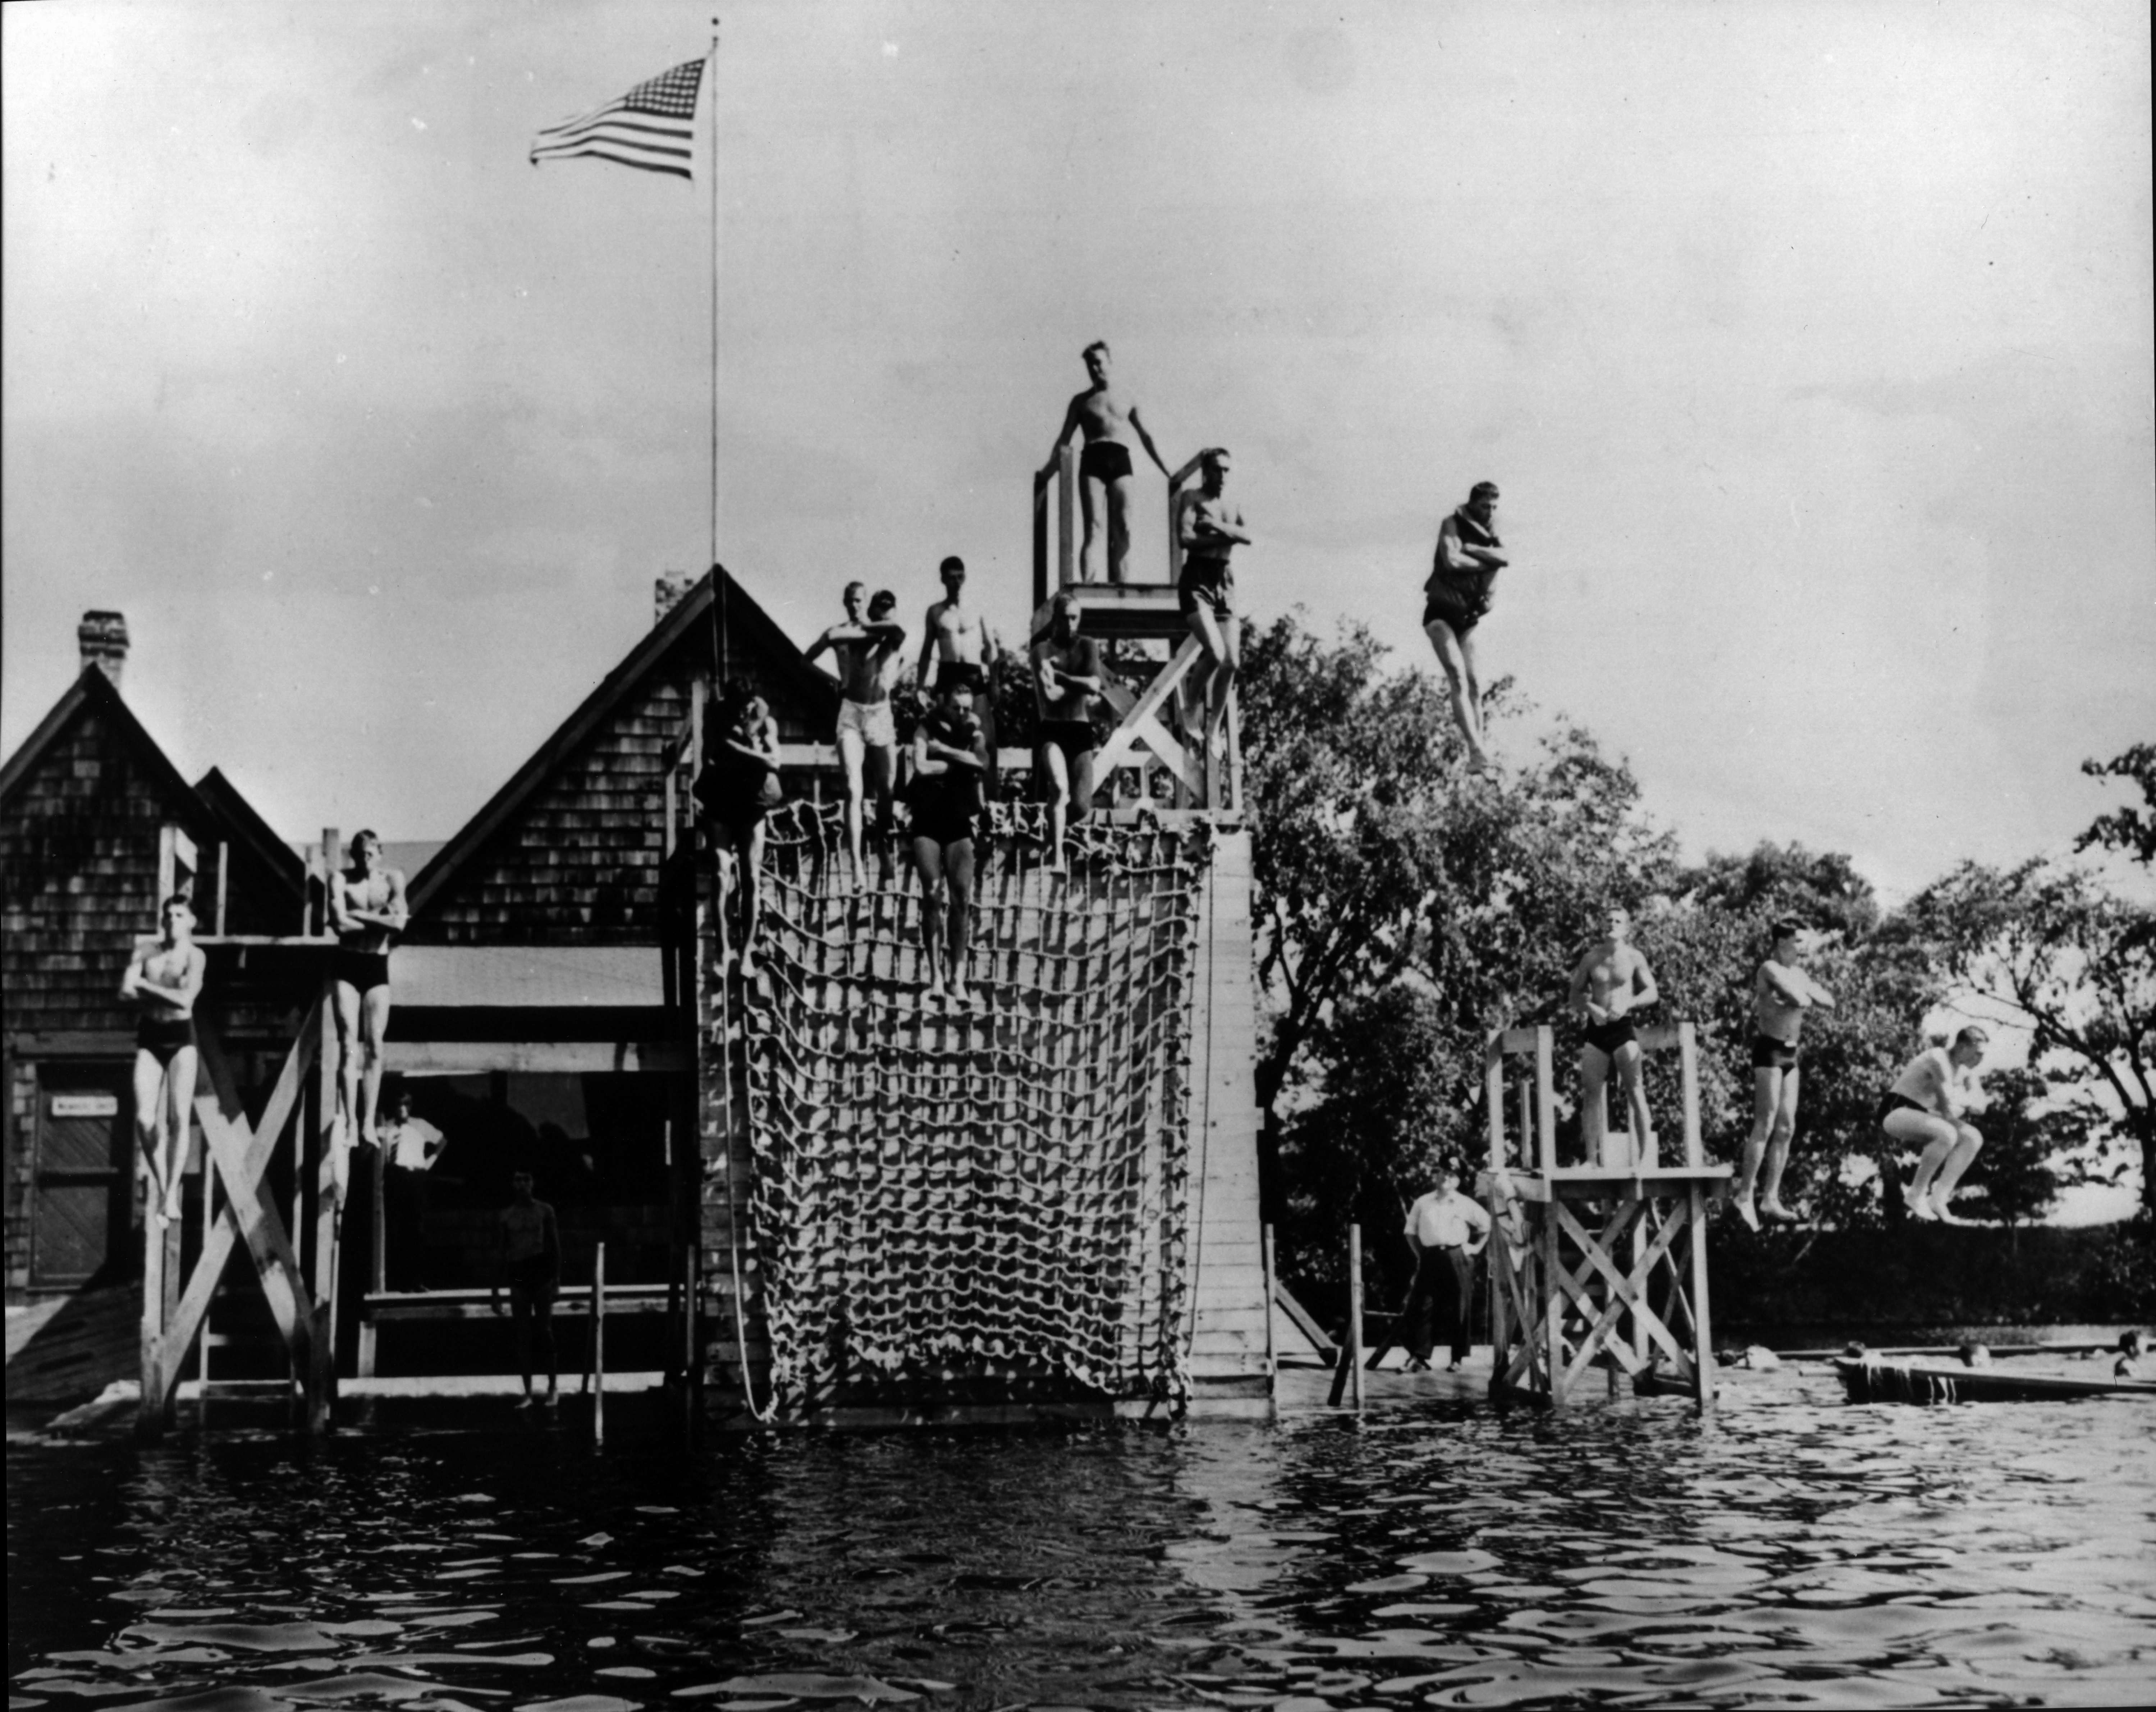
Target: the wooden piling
pixel 1355 1313
pixel 598 1346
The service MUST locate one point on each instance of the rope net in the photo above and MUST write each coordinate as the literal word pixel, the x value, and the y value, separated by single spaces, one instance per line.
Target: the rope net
pixel 1002 1188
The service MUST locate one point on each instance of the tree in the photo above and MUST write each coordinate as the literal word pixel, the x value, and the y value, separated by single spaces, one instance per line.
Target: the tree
pixel 1824 890
pixel 2130 829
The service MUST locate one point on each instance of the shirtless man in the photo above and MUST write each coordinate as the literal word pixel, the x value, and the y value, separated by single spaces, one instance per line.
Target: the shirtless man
pixel 950 760
pixel 959 648
pixel 1068 676
pixel 737 791
pixel 867 649
pixel 1210 528
pixel 1107 417
pixel 367 910
pixel 530 1264
pixel 1923 1109
pixel 1781 994
pixel 1455 599
pixel 1611 983
pixel 165 981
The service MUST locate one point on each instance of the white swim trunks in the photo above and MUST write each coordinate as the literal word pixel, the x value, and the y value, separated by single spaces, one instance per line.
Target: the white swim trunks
pixel 871 720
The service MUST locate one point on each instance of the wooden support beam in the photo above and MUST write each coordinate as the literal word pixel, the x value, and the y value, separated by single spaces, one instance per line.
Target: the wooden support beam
pixel 1546 1098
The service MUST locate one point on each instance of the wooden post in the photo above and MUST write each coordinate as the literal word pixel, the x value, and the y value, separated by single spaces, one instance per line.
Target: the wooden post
pixel 1688 1076
pixel 1265 1258
pixel 150 1411
pixel 691 1379
pixel 377 1266
pixel 1493 1103
pixel 321 1381
pixel 1552 1327
pixel 598 1346
pixel 1355 1312
pixel 224 851
pixel 1066 494
pixel 1546 1097
pixel 1703 1333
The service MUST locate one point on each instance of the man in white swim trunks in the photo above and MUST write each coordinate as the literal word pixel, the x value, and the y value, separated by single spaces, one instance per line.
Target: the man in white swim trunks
pixel 960 647
pixel 1608 985
pixel 867 646
pixel 1923 1110
pixel 1107 417
pixel 1781 994
pixel 165 981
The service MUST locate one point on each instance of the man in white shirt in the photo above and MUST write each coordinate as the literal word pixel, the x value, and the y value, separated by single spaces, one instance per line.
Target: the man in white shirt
pixel 410 1146
pixel 1446 1230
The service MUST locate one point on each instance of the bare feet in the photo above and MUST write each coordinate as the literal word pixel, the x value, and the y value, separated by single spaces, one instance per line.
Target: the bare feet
pixel 1775 1213
pixel 1748 1212
pixel 1919 1205
pixel 528 1401
pixel 747 964
pixel 961 995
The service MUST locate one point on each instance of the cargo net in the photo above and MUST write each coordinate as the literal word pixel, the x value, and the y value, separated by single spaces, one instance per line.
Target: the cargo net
pixel 994 1190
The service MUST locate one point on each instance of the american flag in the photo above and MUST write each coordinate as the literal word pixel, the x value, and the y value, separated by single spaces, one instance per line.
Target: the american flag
pixel 653 126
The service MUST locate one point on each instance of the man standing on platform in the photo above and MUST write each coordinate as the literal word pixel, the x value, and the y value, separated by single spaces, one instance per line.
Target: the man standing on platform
pixel 367 911
pixel 1447 1230
pixel 949 759
pixel 867 646
pixel 530 1249
pixel 1107 417
pixel 1210 528
pixel 960 648
pixel 1781 994
pixel 737 789
pixel 410 1146
pixel 1611 983
pixel 1068 675
pixel 165 981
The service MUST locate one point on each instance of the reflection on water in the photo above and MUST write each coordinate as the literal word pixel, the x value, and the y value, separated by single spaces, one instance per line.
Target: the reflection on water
pixel 1798 1552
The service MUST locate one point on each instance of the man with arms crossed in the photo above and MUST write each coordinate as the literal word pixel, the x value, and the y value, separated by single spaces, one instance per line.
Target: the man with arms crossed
pixel 1923 1110
pixel 1455 600
pixel 1106 416
pixel 959 648
pixel 950 760
pixel 1611 983
pixel 1447 1230
pixel 1210 528
pixel 867 649
pixel 165 981
pixel 367 911
pixel 1781 994
pixel 531 1254
pixel 1068 675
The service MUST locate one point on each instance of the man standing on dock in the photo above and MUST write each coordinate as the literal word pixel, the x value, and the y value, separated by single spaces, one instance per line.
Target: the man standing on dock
pixel 531 1246
pixel 1068 676
pixel 165 981
pixel 1455 596
pixel 950 760
pixel 1610 983
pixel 1107 417
pixel 960 647
pixel 410 1146
pixel 367 912
pixel 1924 1109
pixel 867 646
pixel 1210 528
pixel 1781 994
pixel 1447 1230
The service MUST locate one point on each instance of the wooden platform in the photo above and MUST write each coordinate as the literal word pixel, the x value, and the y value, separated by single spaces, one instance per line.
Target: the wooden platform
pixel 1950 1382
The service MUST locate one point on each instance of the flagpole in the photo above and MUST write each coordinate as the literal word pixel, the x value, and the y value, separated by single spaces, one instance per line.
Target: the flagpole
pixel 711 166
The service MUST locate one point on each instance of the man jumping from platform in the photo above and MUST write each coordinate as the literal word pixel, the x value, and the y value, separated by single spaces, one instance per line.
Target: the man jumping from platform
pixel 1107 417
pixel 867 646
pixel 1923 1110
pixel 960 647
pixel 1068 680
pixel 949 761
pixel 1455 598
pixel 738 788
pixel 1210 528
pixel 1781 994
pixel 367 912
pixel 1610 985
pixel 165 981
pixel 530 1246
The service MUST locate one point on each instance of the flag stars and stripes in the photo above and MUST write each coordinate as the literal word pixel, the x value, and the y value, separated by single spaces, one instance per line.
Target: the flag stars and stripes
pixel 652 127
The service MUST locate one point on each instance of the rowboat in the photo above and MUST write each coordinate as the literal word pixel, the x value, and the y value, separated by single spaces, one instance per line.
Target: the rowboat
pixel 1939 1382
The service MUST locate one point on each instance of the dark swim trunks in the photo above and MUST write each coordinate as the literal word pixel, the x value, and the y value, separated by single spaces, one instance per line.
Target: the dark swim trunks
pixel 738 791
pixel 963 674
pixel 1891 1102
pixel 1074 737
pixel 1459 607
pixel 161 1037
pixel 1769 1053
pixel 1209 580
pixel 1105 460
pixel 532 1284
pixel 1605 1037
pixel 364 970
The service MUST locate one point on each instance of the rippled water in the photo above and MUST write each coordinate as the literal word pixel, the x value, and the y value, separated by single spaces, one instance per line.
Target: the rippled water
pixel 1799 1551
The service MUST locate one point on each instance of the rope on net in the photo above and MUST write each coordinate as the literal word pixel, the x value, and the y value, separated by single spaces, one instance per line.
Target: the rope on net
pixel 999 1187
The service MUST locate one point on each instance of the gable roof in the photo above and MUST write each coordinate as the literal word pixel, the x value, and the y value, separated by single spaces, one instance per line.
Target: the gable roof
pixel 238 818
pixel 716 606
pixel 93 690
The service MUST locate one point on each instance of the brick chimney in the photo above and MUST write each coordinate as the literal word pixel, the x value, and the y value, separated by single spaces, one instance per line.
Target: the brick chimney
pixel 669 592
pixel 103 639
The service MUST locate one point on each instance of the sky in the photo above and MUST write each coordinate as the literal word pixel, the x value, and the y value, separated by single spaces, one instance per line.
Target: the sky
pixel 1810 344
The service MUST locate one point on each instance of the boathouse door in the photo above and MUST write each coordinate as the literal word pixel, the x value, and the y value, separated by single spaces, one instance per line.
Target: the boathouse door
pixel 83 1191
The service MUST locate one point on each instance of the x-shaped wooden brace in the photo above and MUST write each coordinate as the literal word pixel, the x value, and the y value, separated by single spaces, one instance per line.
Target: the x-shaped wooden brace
pixel 1515 1275
pixel 1143 725
pixel 240 1153
pixel 1626 1293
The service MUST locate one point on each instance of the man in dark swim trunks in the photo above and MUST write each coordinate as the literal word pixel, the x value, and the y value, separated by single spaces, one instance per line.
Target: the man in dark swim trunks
pixel 1781 994
pixel 1610 984
pixel 531 1265
pixel 1211 528
pixel 737 789
pixel 165 981
pixel 1923 1109
pixel 1455 600
pixel 960 646
pixel 1106 416
pixel 950 760
pixel 367 912
pixel 866 646
pixel 1068 677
